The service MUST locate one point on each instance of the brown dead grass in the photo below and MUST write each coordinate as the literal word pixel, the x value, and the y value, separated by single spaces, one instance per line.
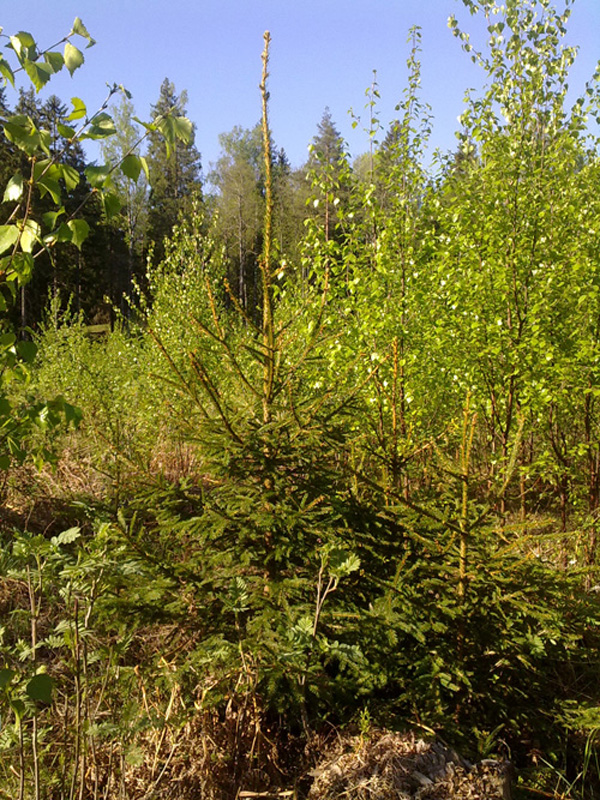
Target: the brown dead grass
pixel 401 766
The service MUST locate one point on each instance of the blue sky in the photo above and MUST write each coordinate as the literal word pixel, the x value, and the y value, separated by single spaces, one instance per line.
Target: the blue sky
pixel 323 54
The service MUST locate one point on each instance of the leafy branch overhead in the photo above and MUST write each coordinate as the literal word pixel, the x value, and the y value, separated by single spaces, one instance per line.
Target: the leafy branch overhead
pixel 41 65
pixel 48 172
pixel 45 172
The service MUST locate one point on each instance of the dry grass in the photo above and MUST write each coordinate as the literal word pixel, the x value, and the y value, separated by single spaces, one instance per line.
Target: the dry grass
pixel 403 767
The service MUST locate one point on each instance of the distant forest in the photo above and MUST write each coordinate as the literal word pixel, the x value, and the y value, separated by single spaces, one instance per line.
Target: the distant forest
pixel 129 233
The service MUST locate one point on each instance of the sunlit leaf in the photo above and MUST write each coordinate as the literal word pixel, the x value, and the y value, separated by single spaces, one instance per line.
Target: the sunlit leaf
pixel 6 71
pixel 184 129
pixel 112 204
pixel 343 562
pixel 22 265
pixel 22 132
pixel 41 168
pixel 66 131
pixel 9 236
pixel 131 166
pixel 97 175
pixel 50 217
pixel 29 235
pixel 39 74
pixel 80 29
pixel 51 186
pixel 101 127
pixel 14 188
pixel 144 164
pixel 69 175
pixel 73 57
pixel 23 44
pixel 173 128
pixel 54 60
pixel 64 233
pixel 149 126
pixel 80 230
pixel 66 537
pixel 79 109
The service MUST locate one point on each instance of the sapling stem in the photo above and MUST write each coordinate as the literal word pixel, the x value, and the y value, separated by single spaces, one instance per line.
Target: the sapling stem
pixel 268 331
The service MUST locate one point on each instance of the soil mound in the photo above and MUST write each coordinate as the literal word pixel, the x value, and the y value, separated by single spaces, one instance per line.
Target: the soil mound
pixel 400 766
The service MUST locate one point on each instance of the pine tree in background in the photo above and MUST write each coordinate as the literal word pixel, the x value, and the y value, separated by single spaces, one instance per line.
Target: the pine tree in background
pixel 174 175
pixel 327 145
pixel 328 164
pixel 28 105
pixel 52 112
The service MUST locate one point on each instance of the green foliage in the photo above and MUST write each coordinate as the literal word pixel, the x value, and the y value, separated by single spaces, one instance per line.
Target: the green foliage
pixel 370 479
pixel 111 380
pixel 21 416
pixel 500 653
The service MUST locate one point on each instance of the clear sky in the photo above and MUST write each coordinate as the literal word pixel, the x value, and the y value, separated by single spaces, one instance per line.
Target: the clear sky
pixel 323 53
